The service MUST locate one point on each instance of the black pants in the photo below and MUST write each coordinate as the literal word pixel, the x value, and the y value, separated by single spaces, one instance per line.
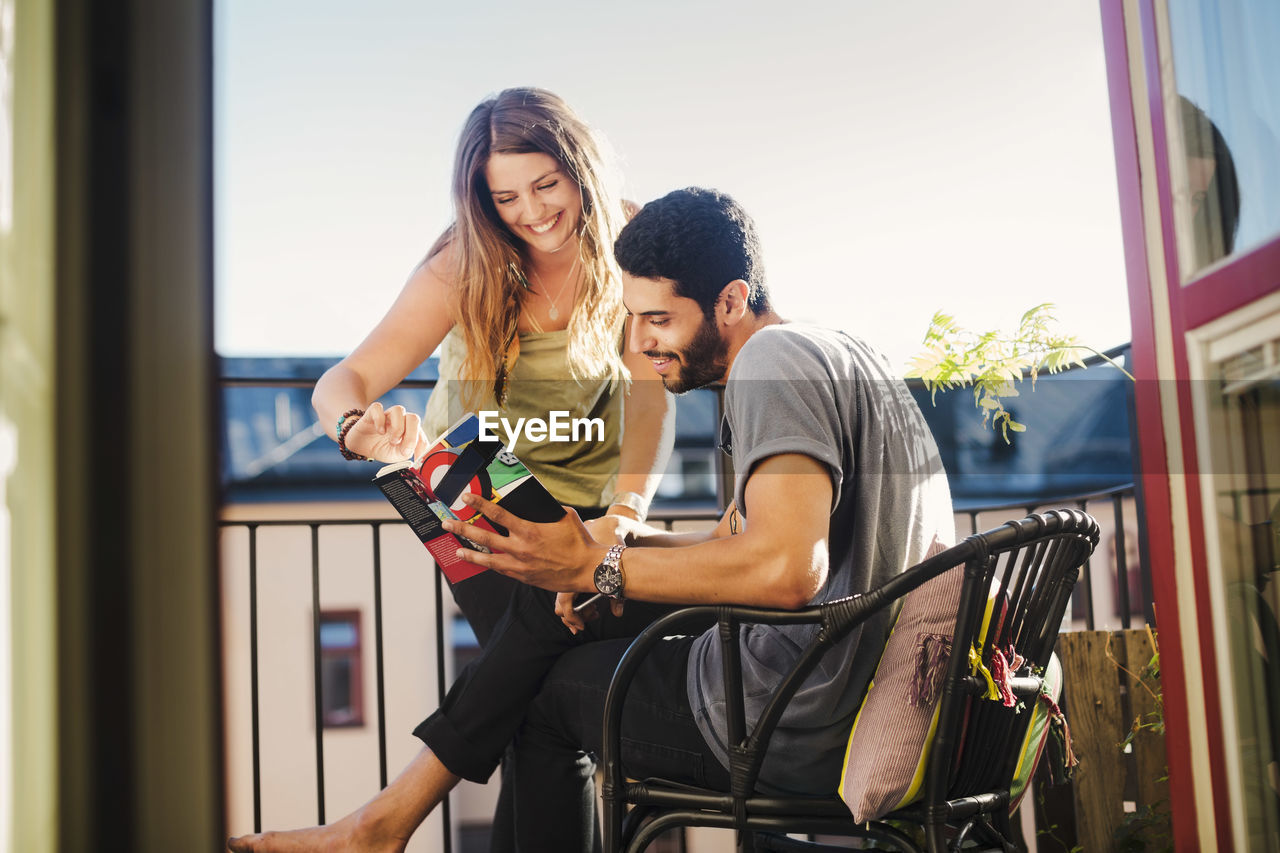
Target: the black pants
pixel 554 758
pixel 539 689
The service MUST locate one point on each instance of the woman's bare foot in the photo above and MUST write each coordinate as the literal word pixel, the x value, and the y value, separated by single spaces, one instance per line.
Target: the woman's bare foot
pixel 349 834
pixel 382 825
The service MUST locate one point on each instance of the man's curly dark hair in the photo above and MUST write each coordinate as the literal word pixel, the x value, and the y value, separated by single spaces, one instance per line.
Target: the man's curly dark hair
pixel 701 240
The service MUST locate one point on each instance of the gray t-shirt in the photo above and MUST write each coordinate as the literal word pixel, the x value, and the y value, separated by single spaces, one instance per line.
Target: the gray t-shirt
pixel 796 388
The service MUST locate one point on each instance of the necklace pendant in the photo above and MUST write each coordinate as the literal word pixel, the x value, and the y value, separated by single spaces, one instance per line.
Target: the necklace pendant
pixel 553 313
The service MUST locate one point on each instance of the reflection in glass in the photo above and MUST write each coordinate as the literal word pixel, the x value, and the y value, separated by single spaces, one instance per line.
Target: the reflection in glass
pixel 1224 127
pixel 1245 469
pixel 1212 184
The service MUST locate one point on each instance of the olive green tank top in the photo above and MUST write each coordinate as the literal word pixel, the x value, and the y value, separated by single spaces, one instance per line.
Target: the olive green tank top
pixel 579 473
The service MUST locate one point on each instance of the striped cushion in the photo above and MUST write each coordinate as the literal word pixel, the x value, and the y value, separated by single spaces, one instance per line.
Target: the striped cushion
pixel 887 750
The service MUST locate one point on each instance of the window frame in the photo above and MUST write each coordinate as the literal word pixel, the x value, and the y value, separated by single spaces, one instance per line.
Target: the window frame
pixel 355 657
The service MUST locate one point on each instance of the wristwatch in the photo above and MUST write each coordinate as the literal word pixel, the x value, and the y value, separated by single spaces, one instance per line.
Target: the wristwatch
pixel 608 575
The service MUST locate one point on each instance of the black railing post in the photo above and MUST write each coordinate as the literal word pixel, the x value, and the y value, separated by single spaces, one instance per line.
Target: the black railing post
pixel 254 723
pixel 376 530
pixel 315 652
pixel 446 812
pixel 1090 622
pixel 1119 542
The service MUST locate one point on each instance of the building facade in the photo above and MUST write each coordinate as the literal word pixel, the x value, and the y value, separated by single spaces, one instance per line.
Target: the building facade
pixel 1196 126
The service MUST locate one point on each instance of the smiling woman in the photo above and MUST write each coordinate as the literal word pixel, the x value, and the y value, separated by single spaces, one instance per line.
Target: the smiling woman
pixel 532 207
pixel 532 204
pixel 523 300
pixel 541 208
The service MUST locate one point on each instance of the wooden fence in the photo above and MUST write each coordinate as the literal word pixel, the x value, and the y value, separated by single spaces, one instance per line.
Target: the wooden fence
pixel 1118 798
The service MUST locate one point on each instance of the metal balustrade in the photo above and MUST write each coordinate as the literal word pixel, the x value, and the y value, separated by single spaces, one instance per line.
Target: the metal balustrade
pixel 968 518
pixel 666 520
pixel 1119 498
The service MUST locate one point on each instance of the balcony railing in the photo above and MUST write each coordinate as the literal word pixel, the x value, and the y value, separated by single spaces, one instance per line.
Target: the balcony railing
pixel 375 527
pixel 1084 613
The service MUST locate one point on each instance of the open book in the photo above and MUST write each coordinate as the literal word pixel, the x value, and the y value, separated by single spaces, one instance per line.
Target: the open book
pixel 461 461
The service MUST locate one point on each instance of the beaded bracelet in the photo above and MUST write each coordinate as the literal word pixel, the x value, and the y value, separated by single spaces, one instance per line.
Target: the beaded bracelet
pixel 349 419
pixel 356 412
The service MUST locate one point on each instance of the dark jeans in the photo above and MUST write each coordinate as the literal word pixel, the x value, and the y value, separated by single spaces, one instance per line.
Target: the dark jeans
pixel 531 665
pixel 483 599
pixel 555 749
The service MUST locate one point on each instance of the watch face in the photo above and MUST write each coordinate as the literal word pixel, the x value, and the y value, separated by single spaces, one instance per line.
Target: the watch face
pixel 608 579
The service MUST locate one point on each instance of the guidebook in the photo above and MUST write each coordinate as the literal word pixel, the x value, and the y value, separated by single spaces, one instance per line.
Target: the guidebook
pixel 460 461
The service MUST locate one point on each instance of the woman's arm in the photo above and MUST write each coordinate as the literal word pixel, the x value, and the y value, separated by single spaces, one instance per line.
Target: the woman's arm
pixel 646 535
pixel 649 423
pixel 648 434
pixel 410 331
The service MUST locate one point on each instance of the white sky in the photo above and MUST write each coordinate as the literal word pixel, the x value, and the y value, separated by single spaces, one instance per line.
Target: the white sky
pixel 899 158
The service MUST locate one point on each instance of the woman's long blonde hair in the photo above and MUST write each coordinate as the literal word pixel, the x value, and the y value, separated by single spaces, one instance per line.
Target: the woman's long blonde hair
pixel 489 280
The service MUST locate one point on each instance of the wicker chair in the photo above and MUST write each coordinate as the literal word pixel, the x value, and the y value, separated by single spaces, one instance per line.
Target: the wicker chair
pixel 1034 563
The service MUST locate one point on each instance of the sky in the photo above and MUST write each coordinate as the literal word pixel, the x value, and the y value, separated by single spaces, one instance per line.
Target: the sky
pixel 899 158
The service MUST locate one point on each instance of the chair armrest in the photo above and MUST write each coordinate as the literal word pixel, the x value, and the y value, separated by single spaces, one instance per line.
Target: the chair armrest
pixel 675 623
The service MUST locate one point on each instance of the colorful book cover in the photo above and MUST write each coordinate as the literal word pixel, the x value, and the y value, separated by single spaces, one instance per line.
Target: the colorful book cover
pixel 460 461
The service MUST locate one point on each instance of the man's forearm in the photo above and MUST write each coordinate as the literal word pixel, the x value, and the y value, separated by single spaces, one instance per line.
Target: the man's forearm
pixel 779 560
pixel 738 570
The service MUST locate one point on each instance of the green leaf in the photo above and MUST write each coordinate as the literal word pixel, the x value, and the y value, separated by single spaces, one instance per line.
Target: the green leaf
pixel 1031 313
pixel 994 362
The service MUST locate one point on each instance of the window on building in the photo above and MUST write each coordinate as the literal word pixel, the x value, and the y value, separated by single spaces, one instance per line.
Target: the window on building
pixel 341 679
pixel 1226 126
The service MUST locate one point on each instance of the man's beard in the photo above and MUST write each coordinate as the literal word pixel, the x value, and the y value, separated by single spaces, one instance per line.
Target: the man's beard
pixel 700 363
